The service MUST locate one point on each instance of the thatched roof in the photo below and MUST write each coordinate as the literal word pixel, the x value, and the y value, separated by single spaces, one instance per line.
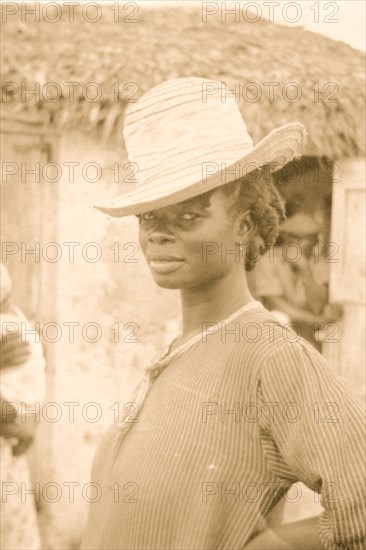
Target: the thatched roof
pixel 174 42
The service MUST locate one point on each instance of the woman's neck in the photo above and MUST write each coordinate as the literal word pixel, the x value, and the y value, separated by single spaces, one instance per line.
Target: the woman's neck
pixel 213 302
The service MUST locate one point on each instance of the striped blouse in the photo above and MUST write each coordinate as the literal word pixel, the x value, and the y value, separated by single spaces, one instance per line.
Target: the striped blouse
pixel 229 421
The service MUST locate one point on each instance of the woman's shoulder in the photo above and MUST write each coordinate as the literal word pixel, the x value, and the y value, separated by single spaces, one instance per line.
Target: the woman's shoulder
pixel 269 332
pixel 295 367
pixel 265 341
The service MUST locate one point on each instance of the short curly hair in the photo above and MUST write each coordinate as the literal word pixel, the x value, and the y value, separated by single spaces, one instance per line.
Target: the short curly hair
pixel 257 193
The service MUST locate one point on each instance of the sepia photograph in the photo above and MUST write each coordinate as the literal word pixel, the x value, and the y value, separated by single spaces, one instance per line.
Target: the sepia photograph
pixel 183 273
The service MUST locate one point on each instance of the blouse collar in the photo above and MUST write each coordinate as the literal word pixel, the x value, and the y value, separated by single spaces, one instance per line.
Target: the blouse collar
pixel 168 356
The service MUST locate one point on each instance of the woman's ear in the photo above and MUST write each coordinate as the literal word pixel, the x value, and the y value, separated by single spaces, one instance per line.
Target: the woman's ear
pixel 246 228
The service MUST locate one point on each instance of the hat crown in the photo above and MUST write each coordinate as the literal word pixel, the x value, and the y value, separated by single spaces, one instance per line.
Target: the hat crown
pixel 185 122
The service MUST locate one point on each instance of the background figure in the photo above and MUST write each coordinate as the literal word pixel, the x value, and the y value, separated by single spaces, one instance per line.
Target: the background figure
pixel 22 385
pixel 292 279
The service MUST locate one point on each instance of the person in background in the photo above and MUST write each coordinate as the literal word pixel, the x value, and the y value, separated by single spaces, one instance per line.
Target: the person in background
pixel 292 278
pixel 22 385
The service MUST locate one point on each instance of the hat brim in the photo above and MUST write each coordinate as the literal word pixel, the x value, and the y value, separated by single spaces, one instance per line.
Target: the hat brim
pixel 278 148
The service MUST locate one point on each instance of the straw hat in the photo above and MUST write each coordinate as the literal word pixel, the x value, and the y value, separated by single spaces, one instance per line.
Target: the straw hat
pixel 186 139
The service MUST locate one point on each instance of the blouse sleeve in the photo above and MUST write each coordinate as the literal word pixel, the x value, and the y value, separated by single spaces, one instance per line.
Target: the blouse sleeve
pixel 318 428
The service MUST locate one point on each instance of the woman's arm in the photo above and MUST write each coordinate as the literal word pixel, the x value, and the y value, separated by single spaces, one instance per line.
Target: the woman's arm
pixel 299 535
pixel 12 427
pixel 319 431
pixel 13 351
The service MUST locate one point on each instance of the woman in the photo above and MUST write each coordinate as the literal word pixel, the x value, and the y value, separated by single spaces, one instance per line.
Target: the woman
pixel 228 419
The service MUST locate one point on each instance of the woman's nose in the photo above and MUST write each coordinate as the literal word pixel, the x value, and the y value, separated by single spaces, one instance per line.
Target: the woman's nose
pixel 160 235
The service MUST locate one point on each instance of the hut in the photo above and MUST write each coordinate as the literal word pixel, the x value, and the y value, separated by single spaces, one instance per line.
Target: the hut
pixel 66 83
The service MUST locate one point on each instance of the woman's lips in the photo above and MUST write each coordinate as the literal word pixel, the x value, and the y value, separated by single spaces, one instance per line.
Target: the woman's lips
pixel 165 265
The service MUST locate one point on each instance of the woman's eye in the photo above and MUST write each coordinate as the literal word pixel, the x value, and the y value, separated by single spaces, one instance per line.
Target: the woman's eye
pixel 147 217
pixel 188 216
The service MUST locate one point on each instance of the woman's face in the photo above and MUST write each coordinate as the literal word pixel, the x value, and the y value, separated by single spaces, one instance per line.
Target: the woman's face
pixel 187 245
pixel 305 242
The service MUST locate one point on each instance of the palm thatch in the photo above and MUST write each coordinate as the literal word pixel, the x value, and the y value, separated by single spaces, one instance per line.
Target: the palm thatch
pixel 174 42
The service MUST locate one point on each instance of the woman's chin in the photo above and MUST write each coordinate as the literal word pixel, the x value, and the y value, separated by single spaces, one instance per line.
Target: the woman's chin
pixel 167 281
